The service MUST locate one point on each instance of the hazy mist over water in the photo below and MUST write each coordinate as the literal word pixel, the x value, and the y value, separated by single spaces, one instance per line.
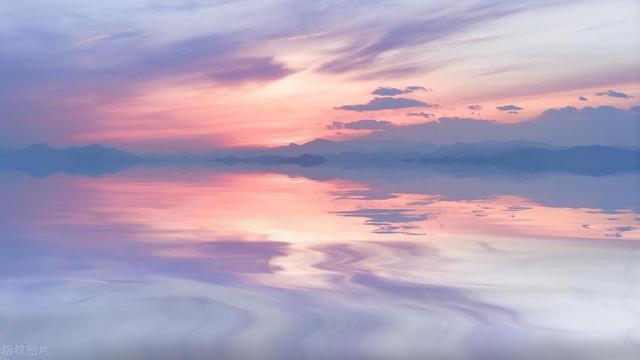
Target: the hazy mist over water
pixel 293 263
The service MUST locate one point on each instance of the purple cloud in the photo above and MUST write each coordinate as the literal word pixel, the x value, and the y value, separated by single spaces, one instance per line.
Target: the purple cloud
pixel 415 88
pixel 391 91
pixel 385 103
pixel 387 91
pixel 474 107
pixel 249 69
pixel 582 98
pixel 122 65
pixel 509 108
pixel 615 94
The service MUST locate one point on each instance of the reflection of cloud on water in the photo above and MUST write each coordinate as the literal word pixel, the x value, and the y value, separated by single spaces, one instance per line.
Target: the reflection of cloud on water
pixel 395 229
pixel 426 201
pixel 491 249
pixel 359 266
pixel 386 220
pixel 618 231
pixel 210 261
pixel 362 194
pixel 548 189
pixel 609 212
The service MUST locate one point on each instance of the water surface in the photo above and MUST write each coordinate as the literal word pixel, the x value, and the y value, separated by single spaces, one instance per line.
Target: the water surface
pixel 242 263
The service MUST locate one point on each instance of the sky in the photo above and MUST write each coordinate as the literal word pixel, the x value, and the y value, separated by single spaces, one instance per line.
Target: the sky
pixel 193 75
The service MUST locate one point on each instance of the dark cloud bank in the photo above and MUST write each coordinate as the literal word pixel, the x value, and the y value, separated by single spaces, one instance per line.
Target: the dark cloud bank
pixel 568 126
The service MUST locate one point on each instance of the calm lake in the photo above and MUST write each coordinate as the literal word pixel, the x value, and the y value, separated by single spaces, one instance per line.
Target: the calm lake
pixel 315 263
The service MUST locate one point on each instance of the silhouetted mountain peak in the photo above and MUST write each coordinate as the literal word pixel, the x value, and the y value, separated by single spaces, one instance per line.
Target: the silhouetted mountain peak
pixel 319 141
pixel 41 159
pixel 305 160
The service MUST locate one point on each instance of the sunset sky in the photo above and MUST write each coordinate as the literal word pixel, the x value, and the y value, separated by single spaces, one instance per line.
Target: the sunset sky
pixel 193 75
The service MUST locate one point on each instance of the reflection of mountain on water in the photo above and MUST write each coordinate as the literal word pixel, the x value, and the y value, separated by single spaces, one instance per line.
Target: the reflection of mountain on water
pixel 555 189
pixel 304 160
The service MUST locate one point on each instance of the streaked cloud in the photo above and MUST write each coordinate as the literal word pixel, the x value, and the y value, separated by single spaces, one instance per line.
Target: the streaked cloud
pixel 249 69
pixel 120 35
pixel 439 25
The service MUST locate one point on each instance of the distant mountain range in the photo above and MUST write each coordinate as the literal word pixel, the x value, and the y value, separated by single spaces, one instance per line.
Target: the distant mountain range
pixel 42 160
pixel 589 160
pixel 367 146
pixel 517 156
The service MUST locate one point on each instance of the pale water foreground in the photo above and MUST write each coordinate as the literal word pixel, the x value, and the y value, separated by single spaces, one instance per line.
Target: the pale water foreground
pixel 161 263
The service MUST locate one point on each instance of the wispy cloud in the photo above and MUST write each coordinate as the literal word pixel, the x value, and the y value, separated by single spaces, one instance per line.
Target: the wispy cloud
pixel 440 24
pixel 500 70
